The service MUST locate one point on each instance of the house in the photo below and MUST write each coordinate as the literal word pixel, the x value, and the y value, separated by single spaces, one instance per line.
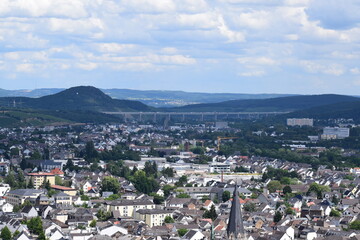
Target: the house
pixel 193 235
pixel 29 212
pixel 152 217
pixel 7 207
pixel 63 198
pixel 112 230
pixel 127 208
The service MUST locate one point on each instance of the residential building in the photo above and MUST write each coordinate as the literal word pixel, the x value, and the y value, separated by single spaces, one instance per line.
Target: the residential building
pixel 152 217
pixel 40 178
pixel 127 208
pixel 18 196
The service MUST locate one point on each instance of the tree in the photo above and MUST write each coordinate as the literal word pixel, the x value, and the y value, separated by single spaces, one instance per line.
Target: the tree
pixel 274 185
pixel 35 225
pixel 167 189
pixel 289 211
pixel 169 219
pixel 355 225
pixel 158 199
pixel 277 217
pixel 58 180
pixel 93 223
pixel 5 233
pixel 69 165
pixel 250 207
pixel 30 184
pixel 110 184
pixel 42 236
pixel 150 168
pixel 335 213
pixel 204 198
pixel 287 189
pixel 183 195
pixel 182 180
pixel 90 152
pixel 47 185
pixel 113 197
pixel 182 231
pixel 11 180
pixel 102 215
pixel 335 200
pixel 318 189
pixel 211 213
pixel 226 196
pixel 169 172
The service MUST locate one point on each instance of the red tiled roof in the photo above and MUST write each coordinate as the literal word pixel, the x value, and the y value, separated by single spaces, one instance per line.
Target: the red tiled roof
pixel 57 171
pixel 40 174
pixel 62 188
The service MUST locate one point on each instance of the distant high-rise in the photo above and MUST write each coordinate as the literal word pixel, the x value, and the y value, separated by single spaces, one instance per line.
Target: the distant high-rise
pixel 235 227
pixel 300 122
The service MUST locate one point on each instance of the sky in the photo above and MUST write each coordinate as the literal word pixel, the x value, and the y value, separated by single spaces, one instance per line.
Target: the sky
pixel 240 46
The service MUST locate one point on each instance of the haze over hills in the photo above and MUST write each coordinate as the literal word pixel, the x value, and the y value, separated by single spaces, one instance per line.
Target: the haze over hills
pixel 150 97
pixel 87 104
pixel 281 104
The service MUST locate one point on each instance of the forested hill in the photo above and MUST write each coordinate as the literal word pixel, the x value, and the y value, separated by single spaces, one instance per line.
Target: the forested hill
pixel 345 110
pixel 281 104
pixel 76 98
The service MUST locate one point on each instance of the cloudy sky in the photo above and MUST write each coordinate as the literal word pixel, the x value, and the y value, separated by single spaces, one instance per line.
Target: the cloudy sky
pixel 245 46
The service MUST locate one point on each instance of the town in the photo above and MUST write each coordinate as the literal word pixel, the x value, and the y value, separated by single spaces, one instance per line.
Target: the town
pixel 247 179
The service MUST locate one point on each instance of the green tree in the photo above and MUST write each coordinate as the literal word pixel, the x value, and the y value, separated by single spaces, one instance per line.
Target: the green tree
pixel 30 184
pixel 274 185
pixel 335 213
pixel 102 215
pixel 158 199
pixel 289 211
pixel 5 233
pixel 47 185
pixel 167 189
pixel 169 219
pixel 42 236
pixel 11 180
pixel 113 197
pixel 318 189
pixel 210 213
pixel 277 217
pixel 183 195
pixel 35 225
pixel 182 181
pixel 182 232
pixel 287 189
pixel 204 198
pixel 250 207
pixel 226 196
pixel 355 225
pixel 58 180
pixel 93 223
pixel 168 172
pixel 110 184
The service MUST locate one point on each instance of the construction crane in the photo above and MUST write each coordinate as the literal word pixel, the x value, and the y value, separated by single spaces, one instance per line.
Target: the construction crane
pixel 222 138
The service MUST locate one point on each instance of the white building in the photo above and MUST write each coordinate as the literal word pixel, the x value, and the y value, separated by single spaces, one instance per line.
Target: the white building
pixel 300 122
pixel 338 133
pixel 219 167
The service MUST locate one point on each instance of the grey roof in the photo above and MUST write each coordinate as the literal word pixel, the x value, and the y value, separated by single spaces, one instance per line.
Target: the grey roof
pixel 26 192
pixel 235 226
pixel 154 211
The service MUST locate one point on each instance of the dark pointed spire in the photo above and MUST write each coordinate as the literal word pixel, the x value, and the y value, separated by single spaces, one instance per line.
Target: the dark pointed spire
pixel 235 227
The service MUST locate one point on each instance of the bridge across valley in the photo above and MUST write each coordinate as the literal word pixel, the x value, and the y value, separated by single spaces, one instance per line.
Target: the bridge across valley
pixel 201 115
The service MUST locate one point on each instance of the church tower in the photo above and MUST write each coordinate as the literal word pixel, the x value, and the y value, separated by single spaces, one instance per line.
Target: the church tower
pixel 235 227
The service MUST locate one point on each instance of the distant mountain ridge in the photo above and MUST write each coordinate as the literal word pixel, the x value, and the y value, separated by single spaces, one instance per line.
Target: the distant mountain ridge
pixel 281 104
pixel 155 98
pixel 76 98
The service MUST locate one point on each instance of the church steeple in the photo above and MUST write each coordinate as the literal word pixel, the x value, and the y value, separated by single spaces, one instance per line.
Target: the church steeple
pixel 235 227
